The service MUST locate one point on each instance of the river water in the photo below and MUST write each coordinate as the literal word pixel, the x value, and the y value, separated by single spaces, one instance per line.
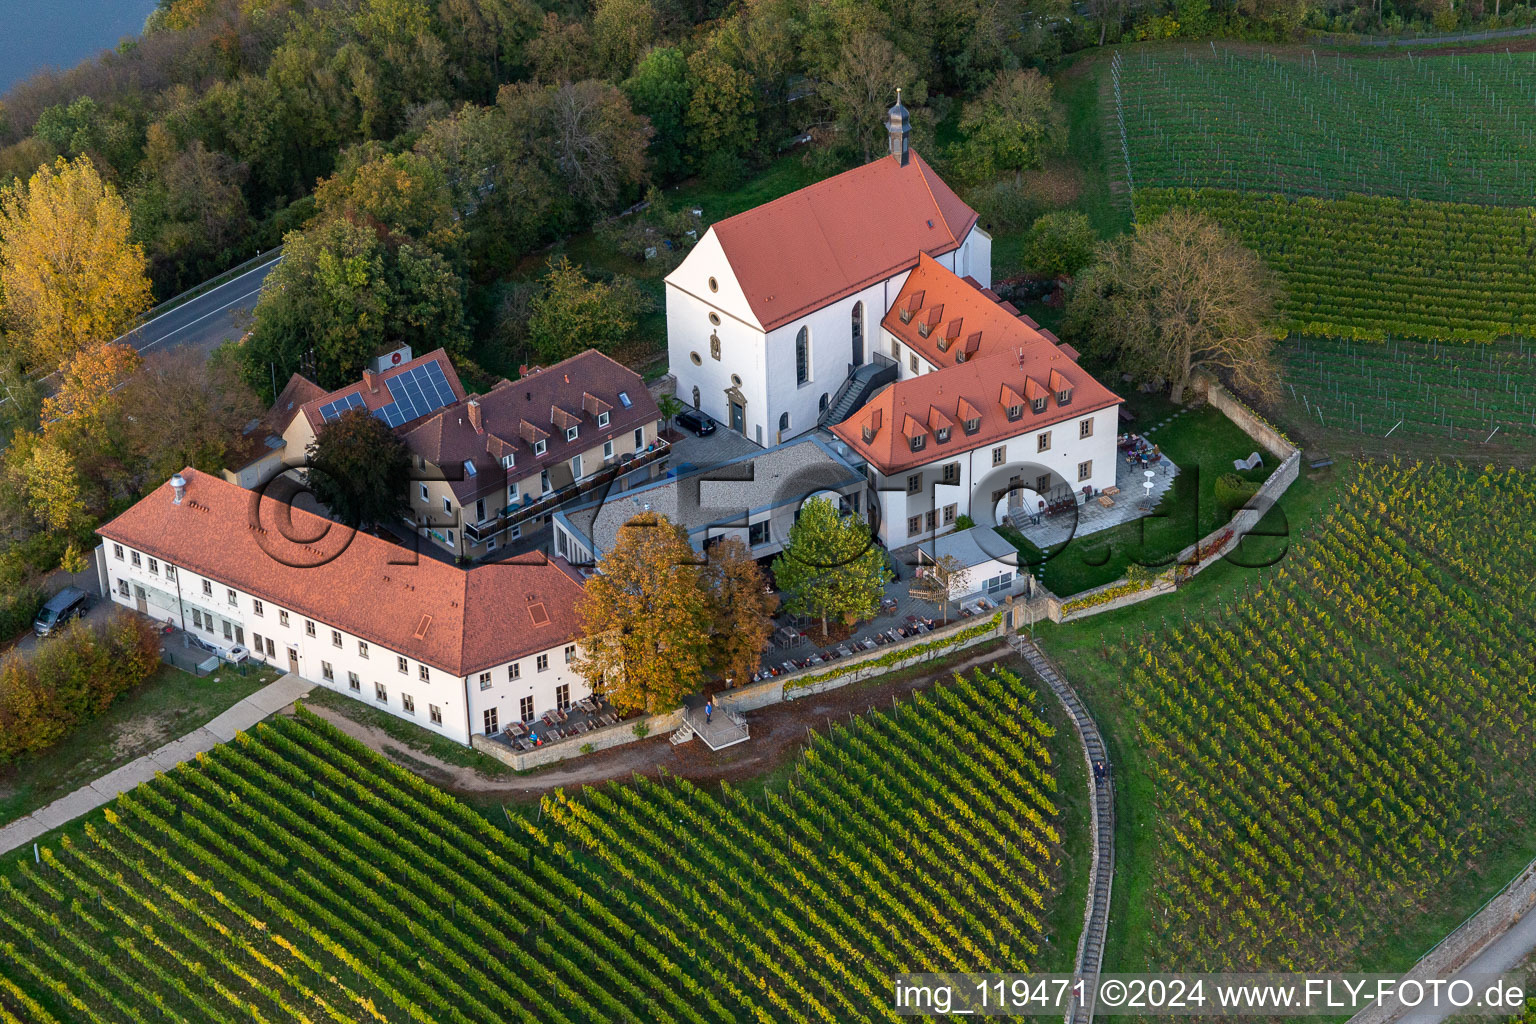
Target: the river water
pixel 36 34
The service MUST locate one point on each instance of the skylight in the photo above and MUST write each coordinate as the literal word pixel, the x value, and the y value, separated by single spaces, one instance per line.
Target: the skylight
pixel 469 468
pixel 624 399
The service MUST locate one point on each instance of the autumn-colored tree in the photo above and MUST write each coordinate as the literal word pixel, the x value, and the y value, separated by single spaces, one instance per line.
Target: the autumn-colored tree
pixel 743 604
pixel 646 618
pixel 1012 126
pixel 359 469
pixel 1177 295
pixel 69 276
pixel 407 194
pixel 183 409
pixel 830 566
pixel 49 479
pixel 87 381
pixel 573 314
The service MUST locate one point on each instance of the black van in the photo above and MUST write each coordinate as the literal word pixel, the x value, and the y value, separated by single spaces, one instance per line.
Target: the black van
pixel 69 603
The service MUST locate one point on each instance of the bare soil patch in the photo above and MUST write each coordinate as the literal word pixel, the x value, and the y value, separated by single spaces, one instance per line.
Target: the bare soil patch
pixel 779 732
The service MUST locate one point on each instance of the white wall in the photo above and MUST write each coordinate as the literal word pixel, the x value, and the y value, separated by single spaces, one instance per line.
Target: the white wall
pixel 505 693
pixel 379 665
pixel 977 473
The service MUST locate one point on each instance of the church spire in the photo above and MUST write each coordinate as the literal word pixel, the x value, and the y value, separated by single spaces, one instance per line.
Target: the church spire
pixel 898 126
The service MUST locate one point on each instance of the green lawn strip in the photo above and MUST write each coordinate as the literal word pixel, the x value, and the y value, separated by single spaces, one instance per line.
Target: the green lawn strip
pixel 1077 88
pixel 1203 443
pixel 1077 647
pixel 170 704
pixel 413 736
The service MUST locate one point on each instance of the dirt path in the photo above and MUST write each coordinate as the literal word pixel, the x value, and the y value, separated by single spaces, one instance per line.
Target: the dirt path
pixel 778 734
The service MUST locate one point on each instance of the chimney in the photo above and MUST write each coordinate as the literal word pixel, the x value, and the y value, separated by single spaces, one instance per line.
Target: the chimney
pixel 370 382
pixel 898 127
pixel 474 416
pixel 179 486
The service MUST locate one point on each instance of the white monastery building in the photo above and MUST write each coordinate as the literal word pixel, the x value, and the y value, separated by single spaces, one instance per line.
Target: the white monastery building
pixel 455 651
pixel 775 307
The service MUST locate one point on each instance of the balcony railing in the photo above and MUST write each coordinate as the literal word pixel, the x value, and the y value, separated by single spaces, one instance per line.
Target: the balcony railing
pixel 530 508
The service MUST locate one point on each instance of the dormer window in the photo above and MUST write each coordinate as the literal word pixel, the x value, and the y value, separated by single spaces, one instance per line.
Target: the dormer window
pixel 508 461
pixel 1015 411
pixel 539 447
pixel 918 441
pixel 602 419
pixel 1063 397
pixel 942 434
pixel 906 316
pixel 571 432
pixel 869 433
pixel 972 425
pixel 1039 405
pixel 924 329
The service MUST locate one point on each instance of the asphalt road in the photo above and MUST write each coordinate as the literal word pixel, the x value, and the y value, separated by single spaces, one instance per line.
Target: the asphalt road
pixel 206 321
pixel 1504 954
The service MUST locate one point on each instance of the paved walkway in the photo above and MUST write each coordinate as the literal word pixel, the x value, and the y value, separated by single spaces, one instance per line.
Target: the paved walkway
pixel 1101 876
pixel 269 699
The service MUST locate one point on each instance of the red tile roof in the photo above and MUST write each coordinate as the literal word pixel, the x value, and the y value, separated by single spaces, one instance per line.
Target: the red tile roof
pixel 514 414
pixel 479 618
pixel 830 239
pixel 299 391
pixel 373 391
pixel 974 384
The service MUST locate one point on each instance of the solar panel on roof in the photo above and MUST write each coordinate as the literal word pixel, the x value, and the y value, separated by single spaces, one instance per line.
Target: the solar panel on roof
pixel 332 410
pixel 419 391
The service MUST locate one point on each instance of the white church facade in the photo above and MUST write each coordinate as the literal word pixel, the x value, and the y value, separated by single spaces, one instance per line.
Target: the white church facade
pixel 775 307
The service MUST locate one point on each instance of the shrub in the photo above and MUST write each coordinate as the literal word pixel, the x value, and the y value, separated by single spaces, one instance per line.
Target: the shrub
pixel 1233 492
pixel 964 522
pixel 74 677
pixel 1005 206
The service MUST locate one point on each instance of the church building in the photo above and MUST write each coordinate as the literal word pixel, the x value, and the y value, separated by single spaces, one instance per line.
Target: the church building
pixel 775 308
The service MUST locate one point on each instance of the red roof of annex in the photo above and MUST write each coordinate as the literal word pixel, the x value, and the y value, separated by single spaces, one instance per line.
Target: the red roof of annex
pixel 828 240
pixel 456 620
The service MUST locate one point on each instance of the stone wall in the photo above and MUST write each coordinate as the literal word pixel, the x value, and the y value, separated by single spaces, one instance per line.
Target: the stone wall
pixel 1204 552
pixel 1457 950
pixel 943 641
pixel 1248 421
pixel 597 739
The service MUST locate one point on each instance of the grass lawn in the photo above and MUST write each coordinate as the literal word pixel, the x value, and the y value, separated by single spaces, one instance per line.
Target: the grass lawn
pixel 1076 648
pixel 1203 443
pixel 170 704
pixel 411 736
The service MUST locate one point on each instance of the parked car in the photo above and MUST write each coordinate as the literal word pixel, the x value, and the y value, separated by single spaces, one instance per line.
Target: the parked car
pixel 695 422
pixel 69 603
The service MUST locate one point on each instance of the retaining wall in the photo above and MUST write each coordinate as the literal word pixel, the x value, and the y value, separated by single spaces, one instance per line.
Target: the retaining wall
pixel 1216 544
pixel 597 739
pixel 945 640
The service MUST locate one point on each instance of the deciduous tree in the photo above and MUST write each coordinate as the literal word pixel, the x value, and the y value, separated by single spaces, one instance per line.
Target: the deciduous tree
pixel 862 86
pixel 573 314
pixel 743 604
pixel 1059 243
pixel 184 409
pixel 359 469
pixel 1012 126
pixel 830 567
pixel 646 618
pixel 341 294
pixel 70 276
pixel 1177 295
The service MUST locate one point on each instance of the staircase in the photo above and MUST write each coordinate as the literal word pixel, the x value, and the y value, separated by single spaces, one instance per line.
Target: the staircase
pixel 682 734
pixel 1090 946
pixel 859 388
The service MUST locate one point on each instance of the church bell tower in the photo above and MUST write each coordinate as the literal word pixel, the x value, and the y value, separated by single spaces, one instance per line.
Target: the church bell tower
pixel 898 126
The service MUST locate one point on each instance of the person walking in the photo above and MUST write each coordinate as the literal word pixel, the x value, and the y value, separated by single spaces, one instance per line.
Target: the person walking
pixel 709 710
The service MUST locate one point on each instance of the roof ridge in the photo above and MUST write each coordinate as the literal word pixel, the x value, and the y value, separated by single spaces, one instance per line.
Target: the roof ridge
pixel 938 210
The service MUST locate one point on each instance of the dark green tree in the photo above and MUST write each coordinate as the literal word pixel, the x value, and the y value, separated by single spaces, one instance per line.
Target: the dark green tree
pixel 343 292
pixel 659 90
pixel 359 469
